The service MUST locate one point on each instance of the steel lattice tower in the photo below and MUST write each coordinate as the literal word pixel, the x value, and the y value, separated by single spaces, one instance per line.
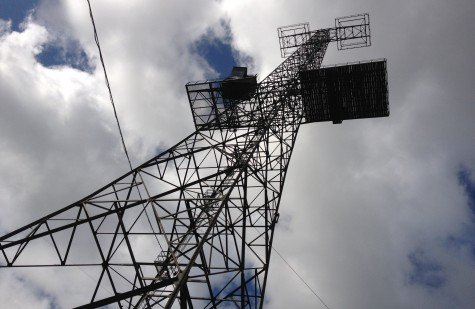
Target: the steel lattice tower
pixel 193 227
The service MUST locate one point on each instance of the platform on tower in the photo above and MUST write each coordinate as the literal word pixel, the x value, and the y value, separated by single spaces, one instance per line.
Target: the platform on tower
pixel 223 104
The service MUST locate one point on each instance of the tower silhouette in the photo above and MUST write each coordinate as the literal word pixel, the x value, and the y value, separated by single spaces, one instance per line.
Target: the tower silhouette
pixel 193 227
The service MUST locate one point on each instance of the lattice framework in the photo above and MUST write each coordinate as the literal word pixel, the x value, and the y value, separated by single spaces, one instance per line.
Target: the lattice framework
pixel 192 227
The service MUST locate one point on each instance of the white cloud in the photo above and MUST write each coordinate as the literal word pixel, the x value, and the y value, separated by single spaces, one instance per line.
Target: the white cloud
pixel 23 297
pixel 359 197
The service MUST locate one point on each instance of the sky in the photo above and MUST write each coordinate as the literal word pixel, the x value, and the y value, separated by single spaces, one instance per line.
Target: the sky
pixel 376 213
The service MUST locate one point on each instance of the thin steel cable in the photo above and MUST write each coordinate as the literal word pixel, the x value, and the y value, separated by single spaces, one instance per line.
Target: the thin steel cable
pixel 296 273
pixel 96 38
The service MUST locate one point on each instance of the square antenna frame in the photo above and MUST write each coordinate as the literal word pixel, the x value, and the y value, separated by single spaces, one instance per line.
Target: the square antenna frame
pixel 353 31
pixel 292 37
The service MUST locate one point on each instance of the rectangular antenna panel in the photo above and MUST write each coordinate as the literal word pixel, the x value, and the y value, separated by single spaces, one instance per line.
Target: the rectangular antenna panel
pixel 345 92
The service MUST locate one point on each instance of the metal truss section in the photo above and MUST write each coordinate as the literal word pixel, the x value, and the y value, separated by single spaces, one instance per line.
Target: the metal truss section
pixel 353 31
pixel 169 229
pixel 291 37
pixel 192 227
pixel 205 210
pixel 211 111
pixel 349 32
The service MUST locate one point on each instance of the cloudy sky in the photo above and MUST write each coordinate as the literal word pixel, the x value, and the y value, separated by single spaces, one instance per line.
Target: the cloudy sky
pixel 376 213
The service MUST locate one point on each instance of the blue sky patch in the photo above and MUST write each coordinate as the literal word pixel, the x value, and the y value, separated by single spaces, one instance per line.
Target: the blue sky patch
pixel 16 11
pixel 218 54
pixel 217 51
pixel 466 237
pixel 233 290
pixel 425 271
pixel 71 55
pixel 465 180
